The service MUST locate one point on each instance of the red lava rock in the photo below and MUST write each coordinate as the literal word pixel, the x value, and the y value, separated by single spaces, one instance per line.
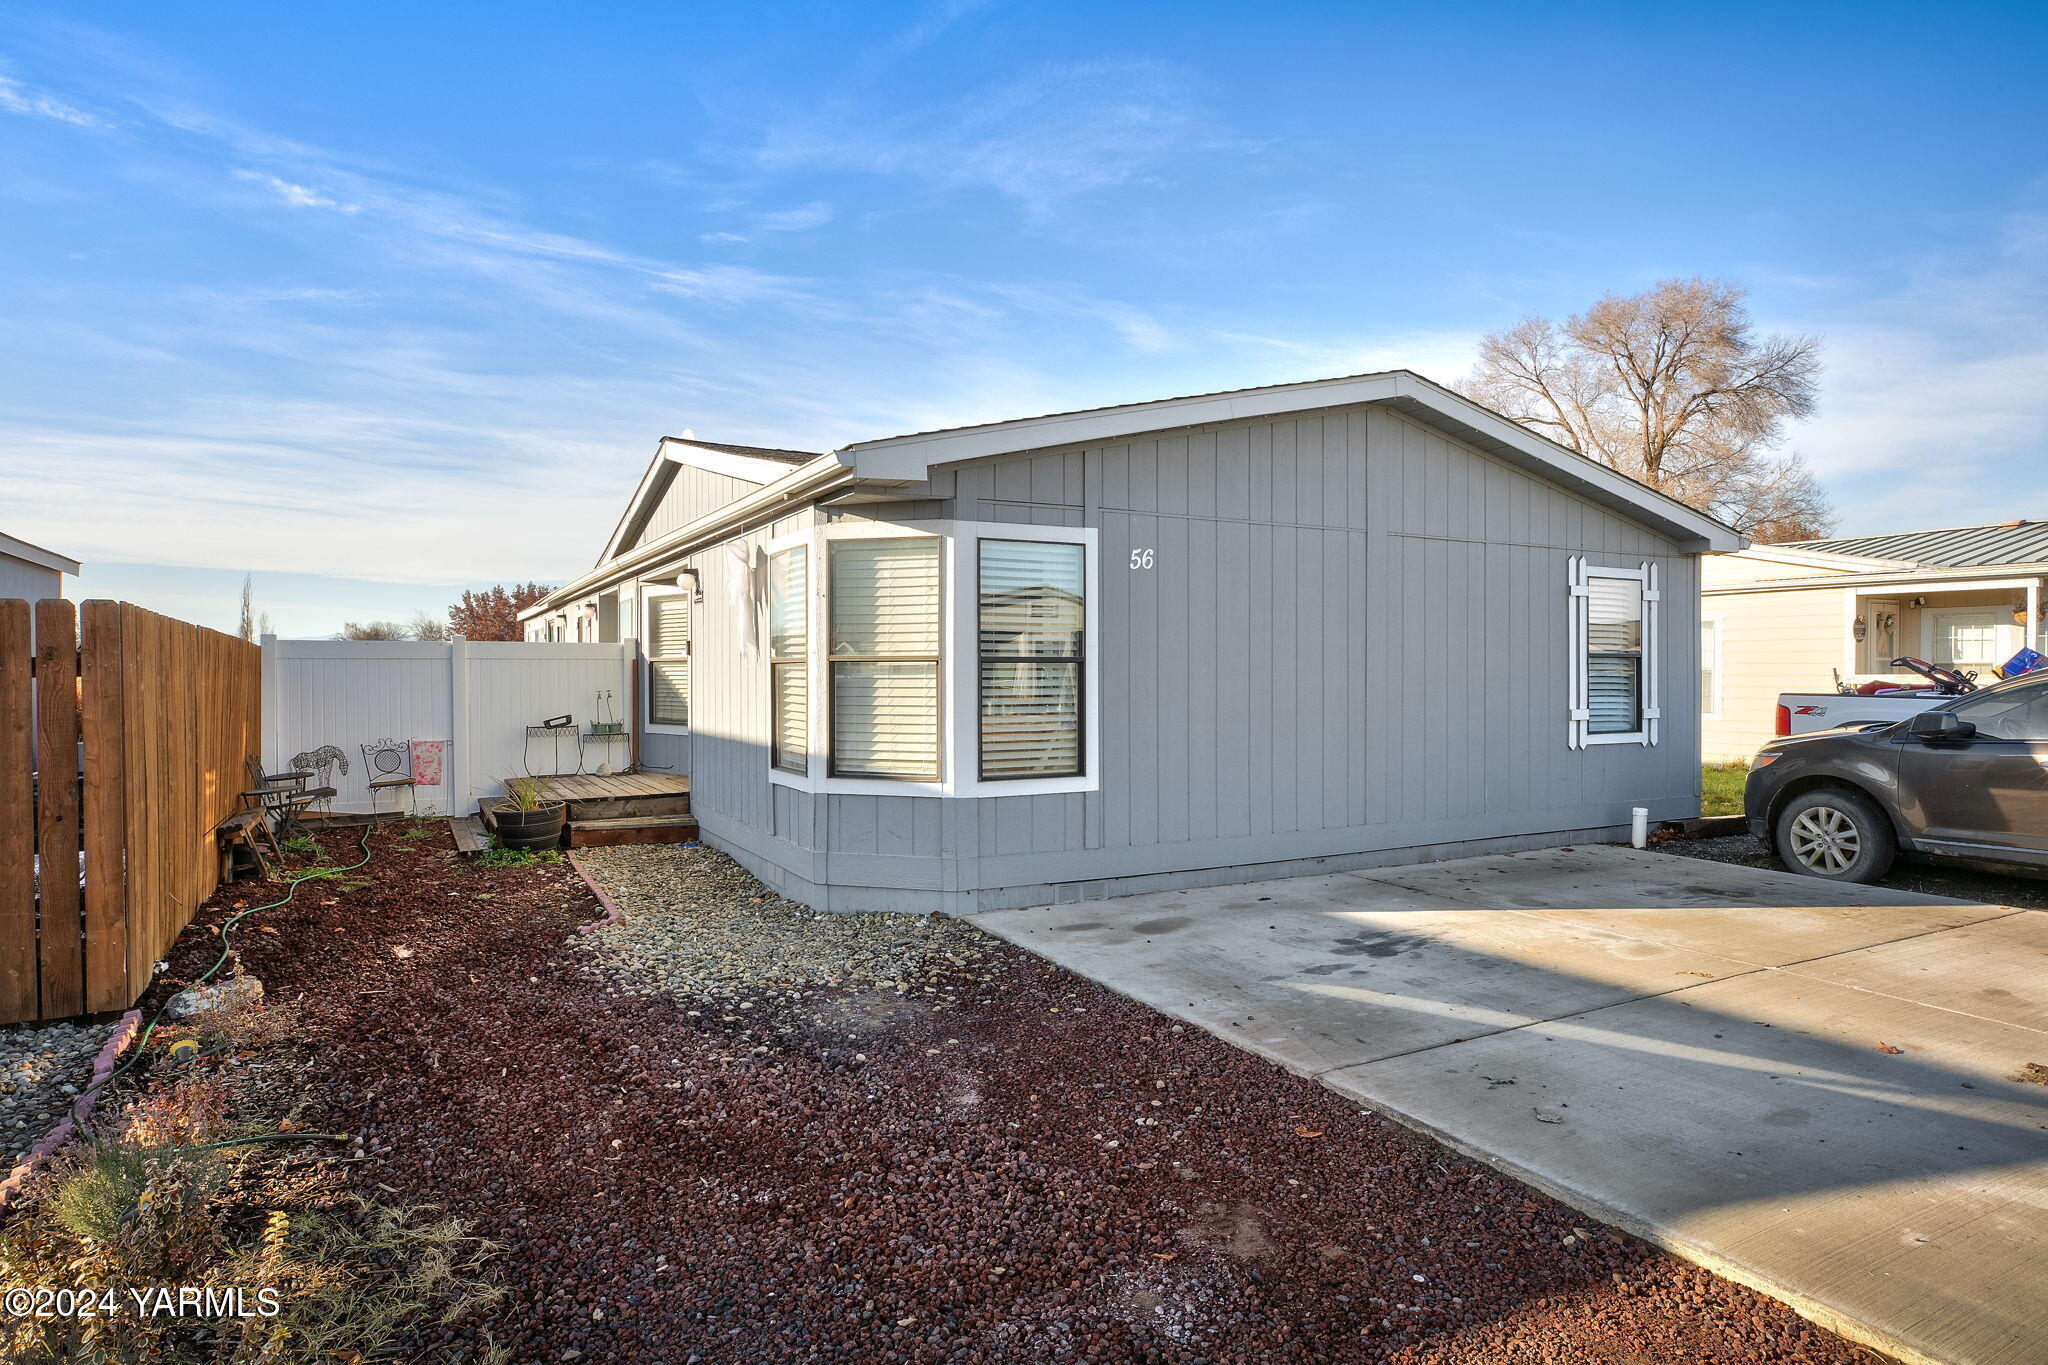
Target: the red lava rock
pixel 670 1188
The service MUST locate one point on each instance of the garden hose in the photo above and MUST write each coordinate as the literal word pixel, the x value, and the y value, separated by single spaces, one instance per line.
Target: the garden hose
pixel 227 947
pixel 257 1137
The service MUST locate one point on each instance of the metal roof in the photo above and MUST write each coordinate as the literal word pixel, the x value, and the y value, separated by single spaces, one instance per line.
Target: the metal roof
pixel 2006 542
pixel 758 452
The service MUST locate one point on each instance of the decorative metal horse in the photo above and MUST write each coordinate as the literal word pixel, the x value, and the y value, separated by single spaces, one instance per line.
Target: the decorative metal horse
pixel 319 761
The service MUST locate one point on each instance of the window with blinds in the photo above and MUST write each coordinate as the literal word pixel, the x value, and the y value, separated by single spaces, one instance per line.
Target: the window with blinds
pixel 668 659
pixel 789 659
pixel 1614 655
pixel 883 648
pixel 1031 631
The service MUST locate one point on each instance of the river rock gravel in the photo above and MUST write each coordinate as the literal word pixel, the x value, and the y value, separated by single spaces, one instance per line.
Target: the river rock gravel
pixel 697 923
pixel 732 1132
pixel 42 1071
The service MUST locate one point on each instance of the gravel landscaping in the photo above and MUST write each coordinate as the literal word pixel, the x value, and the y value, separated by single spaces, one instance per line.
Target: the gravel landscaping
pixel 1907 874
pixel 727 1129
pixel 733 939
pixel 42 1070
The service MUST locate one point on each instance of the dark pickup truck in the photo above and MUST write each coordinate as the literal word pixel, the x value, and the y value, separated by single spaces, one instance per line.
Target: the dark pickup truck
pixel 1966 780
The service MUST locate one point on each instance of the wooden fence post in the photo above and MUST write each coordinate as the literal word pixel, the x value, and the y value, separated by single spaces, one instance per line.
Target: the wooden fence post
pixel 101 723
pixel 142 664
pixel 60 945
pixel 17 833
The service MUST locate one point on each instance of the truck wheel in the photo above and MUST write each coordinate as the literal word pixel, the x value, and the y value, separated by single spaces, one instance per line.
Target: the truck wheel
pixel 1836 833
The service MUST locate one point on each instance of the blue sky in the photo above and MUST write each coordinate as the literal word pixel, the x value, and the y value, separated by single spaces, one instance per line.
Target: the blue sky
pixel 377 301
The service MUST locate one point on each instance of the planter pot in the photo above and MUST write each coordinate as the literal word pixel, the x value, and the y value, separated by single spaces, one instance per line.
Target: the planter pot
pixel 529 829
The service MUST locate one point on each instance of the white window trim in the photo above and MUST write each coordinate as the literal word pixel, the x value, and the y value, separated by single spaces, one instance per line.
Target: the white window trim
pixel 1710 707
pixel 1579 709
pixel 959 661
pixel 2002 629
pixel 648 724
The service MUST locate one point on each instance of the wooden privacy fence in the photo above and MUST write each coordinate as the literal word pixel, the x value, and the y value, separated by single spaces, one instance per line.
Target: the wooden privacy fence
pixel 122 743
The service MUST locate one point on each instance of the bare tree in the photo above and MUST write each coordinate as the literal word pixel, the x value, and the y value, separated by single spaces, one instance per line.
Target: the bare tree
pixel 248 607
pixel 426 626
pixel 373 630
pixel 1670 387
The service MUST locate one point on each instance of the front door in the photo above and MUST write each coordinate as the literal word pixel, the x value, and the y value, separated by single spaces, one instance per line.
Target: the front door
pixel 1989 792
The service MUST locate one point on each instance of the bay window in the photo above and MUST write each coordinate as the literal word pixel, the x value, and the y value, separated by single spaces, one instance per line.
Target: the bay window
pixel 1613 643
pixel 1030 634
pixel 942 658
pixel 789 658
pixel 884 657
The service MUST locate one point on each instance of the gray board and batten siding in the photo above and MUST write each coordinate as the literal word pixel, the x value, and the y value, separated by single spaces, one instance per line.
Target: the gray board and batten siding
pixel 686 494
pixel 1350 650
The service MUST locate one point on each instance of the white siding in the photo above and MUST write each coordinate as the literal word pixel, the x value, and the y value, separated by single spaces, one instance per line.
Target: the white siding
pixel 31 582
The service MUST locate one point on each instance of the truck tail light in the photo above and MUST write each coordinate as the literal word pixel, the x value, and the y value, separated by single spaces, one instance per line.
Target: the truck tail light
pixel 1784 720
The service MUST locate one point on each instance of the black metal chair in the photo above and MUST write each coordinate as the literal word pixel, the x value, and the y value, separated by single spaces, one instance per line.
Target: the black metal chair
pixel 388 767
pixel 283 797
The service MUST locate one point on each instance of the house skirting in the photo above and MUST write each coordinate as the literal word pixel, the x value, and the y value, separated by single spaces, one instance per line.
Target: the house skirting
pixel 857 899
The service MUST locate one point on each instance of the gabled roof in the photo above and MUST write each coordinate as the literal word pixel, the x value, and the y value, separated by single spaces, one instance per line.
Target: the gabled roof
pixel 757 452
pixel 909 458
pixel 756 464
pixel 36 555
pixel 891 463
pixel 2005 542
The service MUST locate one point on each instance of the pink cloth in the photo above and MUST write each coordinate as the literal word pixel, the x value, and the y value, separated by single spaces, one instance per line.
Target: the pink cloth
pixel 426 761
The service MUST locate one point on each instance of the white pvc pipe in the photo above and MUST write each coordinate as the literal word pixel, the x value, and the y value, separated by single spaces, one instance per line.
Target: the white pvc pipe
pixel 1639 827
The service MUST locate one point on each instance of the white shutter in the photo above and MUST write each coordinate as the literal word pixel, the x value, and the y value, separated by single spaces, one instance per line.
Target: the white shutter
pixel 884 647
pixel 668 659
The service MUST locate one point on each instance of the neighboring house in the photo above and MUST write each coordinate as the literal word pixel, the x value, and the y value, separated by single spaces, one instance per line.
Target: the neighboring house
pixel 31 572
pixel 1793 618
pixel 1292 629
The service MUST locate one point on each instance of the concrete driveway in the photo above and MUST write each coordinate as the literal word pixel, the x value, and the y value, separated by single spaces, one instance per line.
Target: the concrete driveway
pixel 1806 1088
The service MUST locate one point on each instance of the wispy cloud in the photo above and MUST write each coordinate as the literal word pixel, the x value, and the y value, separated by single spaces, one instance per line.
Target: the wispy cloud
pixel 934 22
pixel 1934 406
pixel 1044 138
pixel 299 196
pixel 16 98
pixel 800 219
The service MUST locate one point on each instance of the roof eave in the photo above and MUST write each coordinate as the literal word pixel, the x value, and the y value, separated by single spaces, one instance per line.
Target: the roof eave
pixel 801 483
pixel 1886 578
pixel 37 555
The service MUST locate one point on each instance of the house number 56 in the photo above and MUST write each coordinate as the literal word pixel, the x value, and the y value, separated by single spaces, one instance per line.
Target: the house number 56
pixel 1141 559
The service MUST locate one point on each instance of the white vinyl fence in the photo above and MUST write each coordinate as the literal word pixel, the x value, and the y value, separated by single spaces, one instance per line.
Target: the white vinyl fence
pixel 475 698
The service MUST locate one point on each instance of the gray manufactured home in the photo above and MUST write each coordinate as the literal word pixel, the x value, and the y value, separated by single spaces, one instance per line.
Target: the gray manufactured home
pixel 1292 629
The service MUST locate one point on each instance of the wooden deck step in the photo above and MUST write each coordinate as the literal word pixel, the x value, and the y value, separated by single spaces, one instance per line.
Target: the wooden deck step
pixel 620 807
pixel 469 833
pixel 633 829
